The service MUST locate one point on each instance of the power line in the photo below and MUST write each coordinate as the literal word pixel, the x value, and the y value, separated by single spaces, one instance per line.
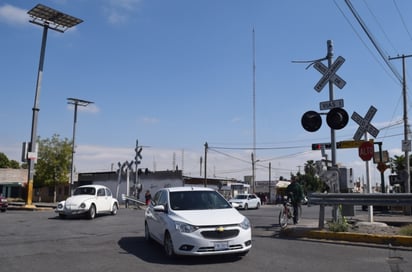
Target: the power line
pixel 363 42
pixel 402 19
pixel 373 40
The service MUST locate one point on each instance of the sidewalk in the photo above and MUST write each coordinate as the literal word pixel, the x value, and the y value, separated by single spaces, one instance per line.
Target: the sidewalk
pixel 309 228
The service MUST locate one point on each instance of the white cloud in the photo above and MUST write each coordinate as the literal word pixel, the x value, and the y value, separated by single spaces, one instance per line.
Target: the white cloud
pixel 150 120
pixel 119 11
pixel 13 15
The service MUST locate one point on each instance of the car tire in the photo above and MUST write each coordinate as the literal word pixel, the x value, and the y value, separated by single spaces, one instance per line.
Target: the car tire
pixel 114 209
pixel 147 236
pixel 62 216
pixel 246 206
pixel 3 210
pixel 91 214
pixel 168 245
pixel 258 206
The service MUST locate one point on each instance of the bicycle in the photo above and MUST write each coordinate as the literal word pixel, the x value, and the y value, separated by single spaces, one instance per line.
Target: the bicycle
pixel 286 214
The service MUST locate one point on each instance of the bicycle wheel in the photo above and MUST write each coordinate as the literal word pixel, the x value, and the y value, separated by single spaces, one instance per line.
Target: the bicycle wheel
pixel 283 218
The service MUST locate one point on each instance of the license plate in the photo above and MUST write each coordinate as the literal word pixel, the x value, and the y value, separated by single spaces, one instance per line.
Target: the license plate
pixel 221 245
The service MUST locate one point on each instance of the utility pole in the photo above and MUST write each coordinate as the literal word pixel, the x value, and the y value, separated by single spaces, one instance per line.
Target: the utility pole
pixel 205 181
pixel 270 177
pixel 406 145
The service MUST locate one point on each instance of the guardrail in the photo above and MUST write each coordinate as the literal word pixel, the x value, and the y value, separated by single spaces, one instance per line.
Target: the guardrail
pixel 360 199
pixel 324 199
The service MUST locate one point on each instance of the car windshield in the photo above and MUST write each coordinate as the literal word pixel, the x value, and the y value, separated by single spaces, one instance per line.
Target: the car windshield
pixel 241 197
pixel 84 191
pixel 197 200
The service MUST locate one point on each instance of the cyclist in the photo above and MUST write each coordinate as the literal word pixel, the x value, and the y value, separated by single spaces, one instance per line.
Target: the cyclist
pixel 294 193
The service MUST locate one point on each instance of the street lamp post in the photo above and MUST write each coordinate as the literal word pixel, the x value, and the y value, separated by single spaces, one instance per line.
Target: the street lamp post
pixel 47 18
pixel 76 102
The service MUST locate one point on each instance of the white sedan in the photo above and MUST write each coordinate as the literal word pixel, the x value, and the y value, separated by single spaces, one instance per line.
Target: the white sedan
pixel 246 201
pixel 196 221
pixel 89 200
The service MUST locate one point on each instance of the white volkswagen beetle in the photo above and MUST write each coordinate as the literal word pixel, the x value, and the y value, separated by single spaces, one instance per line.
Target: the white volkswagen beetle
pixel 89 200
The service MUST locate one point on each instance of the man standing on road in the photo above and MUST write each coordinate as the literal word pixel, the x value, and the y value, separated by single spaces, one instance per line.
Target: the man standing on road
pixel 294 192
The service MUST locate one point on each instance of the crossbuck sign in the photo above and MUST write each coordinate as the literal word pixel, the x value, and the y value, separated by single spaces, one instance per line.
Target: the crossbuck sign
pixel 364 124
pixel 329 74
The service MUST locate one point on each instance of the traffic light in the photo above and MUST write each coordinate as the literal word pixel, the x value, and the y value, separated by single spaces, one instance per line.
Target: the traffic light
pixel 337 118
pixel 321 145
pixel 311 121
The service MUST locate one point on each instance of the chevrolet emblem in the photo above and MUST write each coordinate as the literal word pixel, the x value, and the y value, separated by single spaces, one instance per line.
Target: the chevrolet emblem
pixel 220 229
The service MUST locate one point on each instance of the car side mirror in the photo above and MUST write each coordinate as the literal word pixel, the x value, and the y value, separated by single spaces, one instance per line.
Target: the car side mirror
pixel 159 208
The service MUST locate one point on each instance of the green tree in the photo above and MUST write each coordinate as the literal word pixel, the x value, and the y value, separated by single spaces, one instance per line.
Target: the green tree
pixel 310 168
pixel 310 180
pixel 14 164
pixel 397 163
pixel 53 163
pixel 6 163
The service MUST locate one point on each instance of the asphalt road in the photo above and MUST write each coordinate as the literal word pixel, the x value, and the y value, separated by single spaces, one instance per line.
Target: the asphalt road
pixel 40 241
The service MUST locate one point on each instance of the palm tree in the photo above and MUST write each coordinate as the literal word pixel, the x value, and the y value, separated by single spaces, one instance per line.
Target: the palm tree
pixel 310 168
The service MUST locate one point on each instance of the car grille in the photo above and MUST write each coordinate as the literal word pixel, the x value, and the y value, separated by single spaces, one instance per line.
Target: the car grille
pixel 212 249
pixel 215 234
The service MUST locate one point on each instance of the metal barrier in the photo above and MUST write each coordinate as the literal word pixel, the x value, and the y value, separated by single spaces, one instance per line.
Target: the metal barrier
pixel 324 199
pixel 360 199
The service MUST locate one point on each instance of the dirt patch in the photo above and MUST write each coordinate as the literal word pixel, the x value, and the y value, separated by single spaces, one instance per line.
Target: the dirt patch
pixel 374 228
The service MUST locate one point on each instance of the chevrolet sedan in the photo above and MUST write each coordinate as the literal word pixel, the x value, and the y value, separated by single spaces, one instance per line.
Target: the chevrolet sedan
pixel 196 221
pixel 89 200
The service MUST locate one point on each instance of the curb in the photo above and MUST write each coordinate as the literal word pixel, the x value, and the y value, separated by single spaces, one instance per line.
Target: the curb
pixel 394 240
pixel 22 208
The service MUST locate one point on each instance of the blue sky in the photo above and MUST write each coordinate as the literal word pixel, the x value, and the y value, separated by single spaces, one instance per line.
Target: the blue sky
pixel 176 74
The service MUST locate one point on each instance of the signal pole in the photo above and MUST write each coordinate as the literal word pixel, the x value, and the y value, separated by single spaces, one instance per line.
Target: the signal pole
pixel 331 98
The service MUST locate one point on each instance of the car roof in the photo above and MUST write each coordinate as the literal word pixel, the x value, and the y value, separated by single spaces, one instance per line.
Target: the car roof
pixel 97 186
pixel 188 188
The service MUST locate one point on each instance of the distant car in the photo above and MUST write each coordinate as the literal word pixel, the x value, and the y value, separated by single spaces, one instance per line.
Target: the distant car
pixel 196 221
pixel 4 204
pixel 246 201
pixel 89 200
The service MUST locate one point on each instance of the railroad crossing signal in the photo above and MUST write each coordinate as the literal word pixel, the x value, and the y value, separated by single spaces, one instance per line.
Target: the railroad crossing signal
pixel 364 124
pixel 329 74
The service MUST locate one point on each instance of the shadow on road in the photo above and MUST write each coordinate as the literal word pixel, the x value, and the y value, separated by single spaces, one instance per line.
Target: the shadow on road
pixel 152 252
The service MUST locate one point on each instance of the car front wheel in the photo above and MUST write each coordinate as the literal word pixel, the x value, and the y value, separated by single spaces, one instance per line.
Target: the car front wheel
pixel 147 236
pixel 246 206
pixel 91 214
pixel 168 245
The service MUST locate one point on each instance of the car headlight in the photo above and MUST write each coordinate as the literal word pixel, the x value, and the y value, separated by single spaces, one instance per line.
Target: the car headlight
pixel 60 206
pixel 245 224
pixel 184 227
pixel 83 205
